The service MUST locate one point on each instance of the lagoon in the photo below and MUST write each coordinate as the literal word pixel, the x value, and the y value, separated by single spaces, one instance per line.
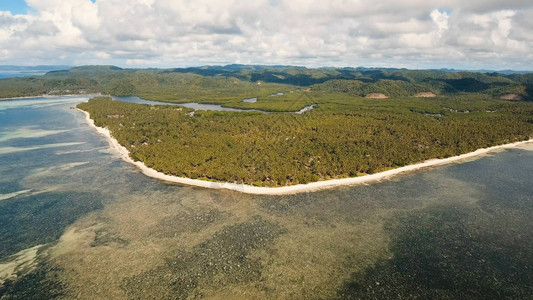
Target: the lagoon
pixel 193 105
pixel 205 106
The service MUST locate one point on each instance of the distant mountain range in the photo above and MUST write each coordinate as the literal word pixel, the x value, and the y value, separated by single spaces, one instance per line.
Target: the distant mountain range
pixel 240 67
pixel 505 72
pixel 169 83
pixel 23 71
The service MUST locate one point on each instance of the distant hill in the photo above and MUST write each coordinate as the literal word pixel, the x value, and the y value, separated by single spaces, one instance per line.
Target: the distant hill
pixel 176 84
pixel 504 72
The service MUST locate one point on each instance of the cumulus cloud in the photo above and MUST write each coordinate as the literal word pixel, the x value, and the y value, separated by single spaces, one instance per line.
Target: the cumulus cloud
pixel 168 33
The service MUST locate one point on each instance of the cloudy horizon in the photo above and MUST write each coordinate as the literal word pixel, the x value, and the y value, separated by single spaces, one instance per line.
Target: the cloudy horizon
pixel 338 33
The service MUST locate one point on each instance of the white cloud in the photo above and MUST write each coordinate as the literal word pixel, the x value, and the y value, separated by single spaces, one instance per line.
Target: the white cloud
pixel 85 15
pixel 440 19
pixel 140 62
pixel 169 33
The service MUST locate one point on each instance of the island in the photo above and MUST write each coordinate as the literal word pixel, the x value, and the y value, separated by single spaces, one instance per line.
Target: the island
pixel 305 129
pixel 317 149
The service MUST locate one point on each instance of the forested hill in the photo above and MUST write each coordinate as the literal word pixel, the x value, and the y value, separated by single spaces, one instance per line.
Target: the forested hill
pixel 230 84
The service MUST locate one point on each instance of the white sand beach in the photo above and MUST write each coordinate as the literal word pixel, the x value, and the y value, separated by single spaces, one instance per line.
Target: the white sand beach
pixel 292 189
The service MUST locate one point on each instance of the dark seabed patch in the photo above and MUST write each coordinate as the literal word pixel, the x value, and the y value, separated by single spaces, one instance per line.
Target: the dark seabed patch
pixel 39 219
pixel 42 283
pixel 188 222
pixel 221 260
pixel 441 252
pixel 459 249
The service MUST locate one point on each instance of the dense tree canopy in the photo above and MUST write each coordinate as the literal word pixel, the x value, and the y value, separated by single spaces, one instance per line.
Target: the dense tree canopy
pixel 344 136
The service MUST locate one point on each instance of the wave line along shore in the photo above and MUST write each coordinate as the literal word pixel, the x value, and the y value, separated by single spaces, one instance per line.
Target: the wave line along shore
pixel 291 189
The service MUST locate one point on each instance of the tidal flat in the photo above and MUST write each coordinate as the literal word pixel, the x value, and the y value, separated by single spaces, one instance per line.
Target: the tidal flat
pixel 98 228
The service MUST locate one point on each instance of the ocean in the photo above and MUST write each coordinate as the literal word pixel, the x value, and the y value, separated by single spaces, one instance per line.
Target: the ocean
pixel 76 221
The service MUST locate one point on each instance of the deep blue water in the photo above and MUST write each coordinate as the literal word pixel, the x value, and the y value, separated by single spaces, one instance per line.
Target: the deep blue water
pixel 457 231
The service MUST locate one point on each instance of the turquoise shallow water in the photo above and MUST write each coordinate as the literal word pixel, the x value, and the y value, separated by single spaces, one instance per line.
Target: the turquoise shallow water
pixel 462 230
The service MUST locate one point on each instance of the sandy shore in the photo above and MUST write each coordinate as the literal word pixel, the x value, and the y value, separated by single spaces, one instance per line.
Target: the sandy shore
pixel 293 189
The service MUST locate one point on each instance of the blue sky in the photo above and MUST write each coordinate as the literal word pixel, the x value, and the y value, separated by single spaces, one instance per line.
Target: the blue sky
pixel 14 6
pixel 488 34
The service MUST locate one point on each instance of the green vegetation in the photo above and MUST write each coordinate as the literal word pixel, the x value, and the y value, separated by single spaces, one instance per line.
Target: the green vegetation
pixel 229 85
pixel 344 136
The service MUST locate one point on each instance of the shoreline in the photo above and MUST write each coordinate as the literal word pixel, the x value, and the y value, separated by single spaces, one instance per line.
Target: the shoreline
pixel 291 189
pixel 23 97
pixel 48 96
